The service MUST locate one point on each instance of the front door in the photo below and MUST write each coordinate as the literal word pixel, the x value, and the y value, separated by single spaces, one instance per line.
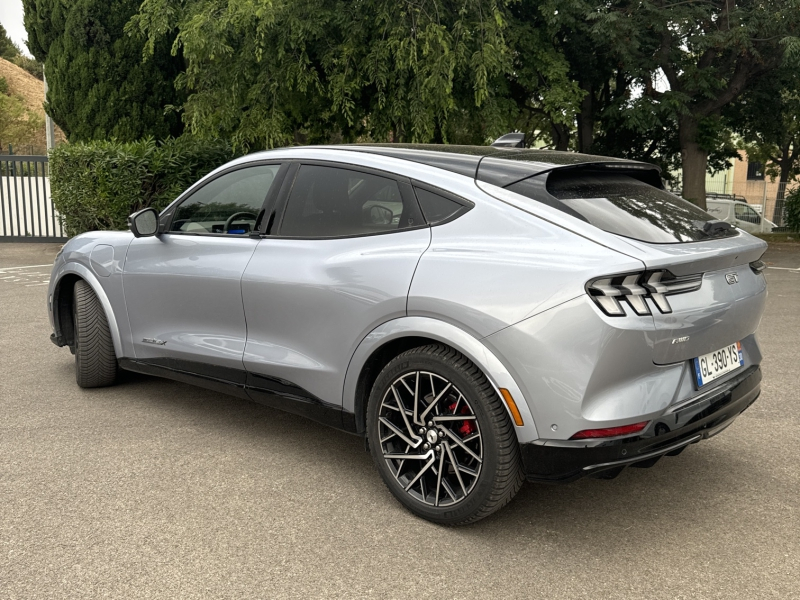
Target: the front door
pixel 183 287
pixel 339 265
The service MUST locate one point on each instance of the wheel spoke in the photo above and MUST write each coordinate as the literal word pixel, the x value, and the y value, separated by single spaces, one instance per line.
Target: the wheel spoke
pixel 405 385
pixel 455 466
pixel 471 438
pixel 468 471
pixel 435 401
pixel 400 456
pixel 458 401
pixel 449 490
pixel 422 470
pixel 461 445
pixel 454 418
pixel 402 462
pixel 439 477
pixel 399 433
pixel 403 414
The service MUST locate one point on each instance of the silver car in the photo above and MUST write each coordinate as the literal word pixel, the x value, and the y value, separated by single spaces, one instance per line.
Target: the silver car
pixel 479 315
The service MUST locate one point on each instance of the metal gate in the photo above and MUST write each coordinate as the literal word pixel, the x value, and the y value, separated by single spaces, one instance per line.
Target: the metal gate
pixel 27 213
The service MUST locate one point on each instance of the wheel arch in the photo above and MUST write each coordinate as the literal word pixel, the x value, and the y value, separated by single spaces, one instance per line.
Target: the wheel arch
pixel 396 336
pixel 63 300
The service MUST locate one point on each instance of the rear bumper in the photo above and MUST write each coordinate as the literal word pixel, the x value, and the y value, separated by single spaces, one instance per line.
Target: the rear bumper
pixel 561 461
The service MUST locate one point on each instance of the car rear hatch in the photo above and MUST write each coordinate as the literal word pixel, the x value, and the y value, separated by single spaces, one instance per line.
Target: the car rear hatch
pixel 701 282
pixel 724 308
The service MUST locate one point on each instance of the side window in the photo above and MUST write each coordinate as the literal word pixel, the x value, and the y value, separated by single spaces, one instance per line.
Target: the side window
pixel 332 202
pixel 745 213
pixel 229 204
pixel 436 208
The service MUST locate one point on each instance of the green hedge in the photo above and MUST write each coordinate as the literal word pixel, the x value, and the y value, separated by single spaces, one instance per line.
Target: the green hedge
pixel 793 209
pixel 96 185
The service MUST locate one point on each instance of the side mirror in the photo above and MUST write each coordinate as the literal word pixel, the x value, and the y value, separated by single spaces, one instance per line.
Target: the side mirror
pixel 144 223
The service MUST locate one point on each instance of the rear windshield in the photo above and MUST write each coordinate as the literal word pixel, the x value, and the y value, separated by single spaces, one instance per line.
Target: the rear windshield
pixel 628 207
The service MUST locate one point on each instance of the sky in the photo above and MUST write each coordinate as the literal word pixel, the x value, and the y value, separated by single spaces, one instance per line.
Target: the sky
pixel 11 18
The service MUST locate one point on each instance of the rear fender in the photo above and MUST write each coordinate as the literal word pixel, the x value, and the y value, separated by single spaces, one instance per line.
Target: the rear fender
pixel 446 333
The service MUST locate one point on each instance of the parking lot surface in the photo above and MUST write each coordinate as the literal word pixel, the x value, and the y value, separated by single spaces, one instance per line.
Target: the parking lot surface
pixel 156 489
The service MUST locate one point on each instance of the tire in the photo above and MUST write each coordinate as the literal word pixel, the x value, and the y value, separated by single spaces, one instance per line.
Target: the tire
pixel 456 464
pixel 95 360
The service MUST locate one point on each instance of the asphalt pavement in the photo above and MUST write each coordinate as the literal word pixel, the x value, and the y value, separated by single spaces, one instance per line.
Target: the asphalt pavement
pixel 156 489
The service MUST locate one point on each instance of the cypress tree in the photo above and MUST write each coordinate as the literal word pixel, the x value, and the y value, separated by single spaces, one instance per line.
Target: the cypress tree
pixel 99 86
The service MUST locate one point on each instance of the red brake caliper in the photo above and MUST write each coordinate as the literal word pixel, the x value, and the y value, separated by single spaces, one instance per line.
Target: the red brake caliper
pixel 467 427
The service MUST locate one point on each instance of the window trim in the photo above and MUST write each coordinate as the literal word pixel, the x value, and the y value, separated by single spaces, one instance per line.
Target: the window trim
pixel 167 216
pixel 403 183
pixel 466 205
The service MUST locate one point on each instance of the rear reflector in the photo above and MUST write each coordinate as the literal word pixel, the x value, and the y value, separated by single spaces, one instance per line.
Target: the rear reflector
pixel 512 406
pixel 609 431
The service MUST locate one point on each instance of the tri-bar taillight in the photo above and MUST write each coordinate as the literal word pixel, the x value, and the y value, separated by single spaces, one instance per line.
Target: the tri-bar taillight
pixel 635 288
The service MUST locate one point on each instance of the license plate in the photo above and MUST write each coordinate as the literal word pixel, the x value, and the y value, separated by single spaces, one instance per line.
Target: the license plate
pixel 714 365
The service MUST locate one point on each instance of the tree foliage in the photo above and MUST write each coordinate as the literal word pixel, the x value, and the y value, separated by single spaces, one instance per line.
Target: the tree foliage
pixel 8 48
pixel 709 53
pixel 767 117
pixel 270 73
pixel 11 52
pixel 98 85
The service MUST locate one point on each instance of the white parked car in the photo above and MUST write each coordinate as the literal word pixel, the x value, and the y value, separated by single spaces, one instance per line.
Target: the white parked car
pixel 741 214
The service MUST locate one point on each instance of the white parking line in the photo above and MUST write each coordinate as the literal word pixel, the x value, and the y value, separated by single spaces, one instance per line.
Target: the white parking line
pixel 786 269
pixel 13 269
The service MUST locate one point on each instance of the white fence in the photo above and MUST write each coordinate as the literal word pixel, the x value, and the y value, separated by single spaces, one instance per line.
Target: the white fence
pixel 26 207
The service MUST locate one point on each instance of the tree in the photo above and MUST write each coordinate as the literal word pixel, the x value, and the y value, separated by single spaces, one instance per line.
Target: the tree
pixel 8 49
pixel 11 52
pixel 709 52
pixel 267 74
pixel 541 82
pixel 768 118
pixel 99 87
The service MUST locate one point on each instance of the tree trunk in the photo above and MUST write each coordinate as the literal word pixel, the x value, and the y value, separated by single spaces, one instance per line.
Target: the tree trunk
pixel 560 136
pixel 694 161
pixel 586 120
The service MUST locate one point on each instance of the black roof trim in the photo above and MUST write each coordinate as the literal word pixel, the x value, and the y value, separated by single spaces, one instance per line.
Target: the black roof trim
pixel 496 165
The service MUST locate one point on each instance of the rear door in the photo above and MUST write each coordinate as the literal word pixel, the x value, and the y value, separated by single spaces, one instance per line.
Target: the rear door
pixel 183 287
pixel 338 263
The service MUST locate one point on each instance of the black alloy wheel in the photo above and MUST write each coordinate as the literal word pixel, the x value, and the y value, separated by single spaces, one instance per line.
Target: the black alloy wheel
pixel 441 437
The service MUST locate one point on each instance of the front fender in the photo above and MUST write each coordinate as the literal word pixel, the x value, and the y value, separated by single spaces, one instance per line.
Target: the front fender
pixel 89 277
pixel 448 334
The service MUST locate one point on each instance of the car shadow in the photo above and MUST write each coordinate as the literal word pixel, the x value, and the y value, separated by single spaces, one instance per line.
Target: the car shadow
pixel 678 492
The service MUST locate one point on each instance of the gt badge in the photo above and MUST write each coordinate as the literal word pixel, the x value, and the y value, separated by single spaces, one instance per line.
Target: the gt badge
pixel 732 278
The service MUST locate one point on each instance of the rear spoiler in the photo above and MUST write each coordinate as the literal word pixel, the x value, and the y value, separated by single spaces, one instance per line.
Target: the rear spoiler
pixel 506 171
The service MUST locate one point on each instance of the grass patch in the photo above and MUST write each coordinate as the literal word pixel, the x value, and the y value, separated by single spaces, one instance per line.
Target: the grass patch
pixel 779 238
